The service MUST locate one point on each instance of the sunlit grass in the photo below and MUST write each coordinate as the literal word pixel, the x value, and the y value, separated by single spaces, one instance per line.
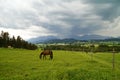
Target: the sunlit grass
pixel 19 64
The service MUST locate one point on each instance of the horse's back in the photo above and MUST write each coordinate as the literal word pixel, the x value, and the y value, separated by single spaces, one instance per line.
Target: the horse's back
pixel 47 52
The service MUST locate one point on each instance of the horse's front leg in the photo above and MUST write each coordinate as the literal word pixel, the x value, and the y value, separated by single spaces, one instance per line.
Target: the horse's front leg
pixel 44 56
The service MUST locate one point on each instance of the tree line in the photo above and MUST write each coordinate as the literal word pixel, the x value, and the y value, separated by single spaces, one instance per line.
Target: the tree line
pixel 6 41
pixel 86 48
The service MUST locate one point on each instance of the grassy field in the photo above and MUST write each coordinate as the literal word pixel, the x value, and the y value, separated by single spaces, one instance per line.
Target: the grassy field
pixel 19 64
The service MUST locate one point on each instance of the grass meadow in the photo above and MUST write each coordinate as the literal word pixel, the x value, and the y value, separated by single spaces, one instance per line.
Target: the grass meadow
pixel 20 64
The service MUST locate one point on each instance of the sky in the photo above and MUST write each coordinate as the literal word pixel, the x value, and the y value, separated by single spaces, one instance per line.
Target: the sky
pixel 60 18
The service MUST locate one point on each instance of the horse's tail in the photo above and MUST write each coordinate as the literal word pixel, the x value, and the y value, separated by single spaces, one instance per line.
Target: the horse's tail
pixel 51 55
pixel 41 55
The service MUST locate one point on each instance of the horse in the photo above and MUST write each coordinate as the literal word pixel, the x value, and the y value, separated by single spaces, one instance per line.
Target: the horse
pixel 46 52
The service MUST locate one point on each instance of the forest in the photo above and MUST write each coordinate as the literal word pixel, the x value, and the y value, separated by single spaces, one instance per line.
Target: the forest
pixel 7 42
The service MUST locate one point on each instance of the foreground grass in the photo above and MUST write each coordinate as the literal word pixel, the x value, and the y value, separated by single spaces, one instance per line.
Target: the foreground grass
pixel 19 64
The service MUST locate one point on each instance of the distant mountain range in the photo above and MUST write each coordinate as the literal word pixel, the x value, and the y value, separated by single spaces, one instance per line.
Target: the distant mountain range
pixel 46 39
pixel 41 39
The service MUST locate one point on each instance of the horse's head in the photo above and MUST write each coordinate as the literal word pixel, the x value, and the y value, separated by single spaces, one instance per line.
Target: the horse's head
pixel 41 55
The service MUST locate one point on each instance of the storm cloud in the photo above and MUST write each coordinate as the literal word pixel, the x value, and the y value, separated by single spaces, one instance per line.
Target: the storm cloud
pixel 61 18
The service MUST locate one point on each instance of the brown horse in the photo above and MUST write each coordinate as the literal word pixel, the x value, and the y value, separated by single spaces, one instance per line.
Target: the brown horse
pixel 46 52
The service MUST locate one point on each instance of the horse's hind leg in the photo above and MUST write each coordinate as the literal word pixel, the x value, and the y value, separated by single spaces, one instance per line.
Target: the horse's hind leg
pixel 51 57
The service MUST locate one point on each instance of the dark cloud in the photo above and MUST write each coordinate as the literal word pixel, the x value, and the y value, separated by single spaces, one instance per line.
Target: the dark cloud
pixel 65 18
pixel 108 9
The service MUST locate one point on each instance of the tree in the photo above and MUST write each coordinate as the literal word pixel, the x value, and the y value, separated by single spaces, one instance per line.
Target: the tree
pixel 19 42
pixel 4 39
pixel 13 42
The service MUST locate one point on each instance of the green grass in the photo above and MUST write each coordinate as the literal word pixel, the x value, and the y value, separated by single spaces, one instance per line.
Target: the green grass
pixel 20 64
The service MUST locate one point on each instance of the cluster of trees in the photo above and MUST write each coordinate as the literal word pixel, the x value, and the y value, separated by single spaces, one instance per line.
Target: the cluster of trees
pixel 6 41
pixel 84 48
pixel 108 48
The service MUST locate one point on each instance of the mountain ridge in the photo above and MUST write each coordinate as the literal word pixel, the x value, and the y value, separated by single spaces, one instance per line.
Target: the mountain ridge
pixel 45 39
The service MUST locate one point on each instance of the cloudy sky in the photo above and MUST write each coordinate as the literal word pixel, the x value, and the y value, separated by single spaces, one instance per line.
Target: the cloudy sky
pixel 61 18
